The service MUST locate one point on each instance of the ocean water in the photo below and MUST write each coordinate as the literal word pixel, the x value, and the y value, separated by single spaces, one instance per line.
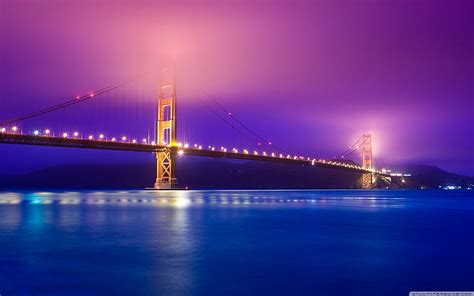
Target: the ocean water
pixel 327 242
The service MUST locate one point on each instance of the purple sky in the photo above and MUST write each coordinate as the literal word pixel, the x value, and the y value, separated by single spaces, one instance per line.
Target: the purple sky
pixel 311 76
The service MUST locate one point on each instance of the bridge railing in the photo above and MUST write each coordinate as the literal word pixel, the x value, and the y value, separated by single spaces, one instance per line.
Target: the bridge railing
pixel 127 144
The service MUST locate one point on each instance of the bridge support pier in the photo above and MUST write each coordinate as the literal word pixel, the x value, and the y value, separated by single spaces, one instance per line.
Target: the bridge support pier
pixel 166 169
pixel 367 181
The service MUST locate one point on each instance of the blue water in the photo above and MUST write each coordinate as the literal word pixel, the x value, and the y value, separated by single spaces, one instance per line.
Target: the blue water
pixel 236 242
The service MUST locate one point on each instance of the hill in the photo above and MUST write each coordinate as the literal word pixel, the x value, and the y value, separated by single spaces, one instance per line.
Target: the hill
pixel 216 173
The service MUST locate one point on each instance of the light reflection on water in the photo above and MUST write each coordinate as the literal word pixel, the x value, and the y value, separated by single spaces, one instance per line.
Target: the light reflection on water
pixel 364 200
pixel 183 199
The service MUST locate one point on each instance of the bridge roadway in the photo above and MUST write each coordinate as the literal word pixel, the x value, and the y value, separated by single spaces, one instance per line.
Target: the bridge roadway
pixel 21 139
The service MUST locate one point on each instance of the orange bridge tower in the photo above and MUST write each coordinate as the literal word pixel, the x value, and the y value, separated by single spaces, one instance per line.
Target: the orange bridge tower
pixel 166 133
pixel 368 179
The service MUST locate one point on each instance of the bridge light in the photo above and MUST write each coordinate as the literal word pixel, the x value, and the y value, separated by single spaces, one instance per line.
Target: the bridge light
pixel 76 134
pixel 186 145
pixel 36 132
pixel 255 152
pixel 114 139
pixel 180 144
pixel 230 114
pixel 264 153
pixel 213 148
pixel 246 151
pixel 144 141
pixel 91 95
pixel 124 138
pixel 47 131
pixel 91 137
pixel 134 141
pixel 78 97
pixel 101 136
pixel 3 129
pixel 14 128
pixel 153 142
pixel 180 152
pixel 195 145
pixel 273 154
pixel 65 135
pixel 200 147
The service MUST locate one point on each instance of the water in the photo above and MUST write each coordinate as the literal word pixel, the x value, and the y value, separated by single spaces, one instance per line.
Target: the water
pixel 235 242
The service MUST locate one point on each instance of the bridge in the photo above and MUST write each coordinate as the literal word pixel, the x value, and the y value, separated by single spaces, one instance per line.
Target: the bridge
pixel 166 144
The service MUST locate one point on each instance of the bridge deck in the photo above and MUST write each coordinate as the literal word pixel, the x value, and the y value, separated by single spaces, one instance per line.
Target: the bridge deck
pixel 21 139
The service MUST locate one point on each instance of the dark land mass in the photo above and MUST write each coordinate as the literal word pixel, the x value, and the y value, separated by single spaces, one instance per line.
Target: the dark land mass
pixel 196 173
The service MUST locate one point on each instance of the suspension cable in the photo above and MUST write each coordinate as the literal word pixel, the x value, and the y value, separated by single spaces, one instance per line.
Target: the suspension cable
pixel 241 124
pixel 69 103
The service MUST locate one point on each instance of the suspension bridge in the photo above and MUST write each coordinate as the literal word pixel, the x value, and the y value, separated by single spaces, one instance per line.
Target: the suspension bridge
pixel 61 125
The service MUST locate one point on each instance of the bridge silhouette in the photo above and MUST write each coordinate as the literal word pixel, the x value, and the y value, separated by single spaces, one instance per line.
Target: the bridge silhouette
pixel 165 142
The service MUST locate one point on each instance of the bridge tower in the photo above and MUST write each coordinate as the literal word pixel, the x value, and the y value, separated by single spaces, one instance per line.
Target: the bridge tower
pixel 166 133
pixel 368 179
pixel 367 161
